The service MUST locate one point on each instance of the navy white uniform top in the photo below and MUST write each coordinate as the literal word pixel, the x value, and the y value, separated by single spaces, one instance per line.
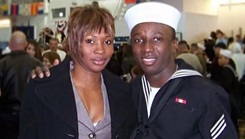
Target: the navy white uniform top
pixel 198 109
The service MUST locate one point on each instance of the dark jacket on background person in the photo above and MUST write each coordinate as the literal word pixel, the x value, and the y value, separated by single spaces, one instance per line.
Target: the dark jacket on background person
pixel 15 69
pixel 197 109
pixel 229 81
pixel 50 111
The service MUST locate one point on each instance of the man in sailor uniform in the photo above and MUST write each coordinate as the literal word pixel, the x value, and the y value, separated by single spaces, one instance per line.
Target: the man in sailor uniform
pixel 173 100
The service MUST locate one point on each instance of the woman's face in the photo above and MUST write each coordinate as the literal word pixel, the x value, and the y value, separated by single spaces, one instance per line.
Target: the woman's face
pixel 31 50
pixel 96 50
pixel 46 62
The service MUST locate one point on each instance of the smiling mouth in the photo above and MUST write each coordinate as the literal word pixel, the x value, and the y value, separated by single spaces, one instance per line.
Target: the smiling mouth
pixel 148 61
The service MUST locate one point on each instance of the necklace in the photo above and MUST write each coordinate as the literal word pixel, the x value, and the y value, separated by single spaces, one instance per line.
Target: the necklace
pixel 92 107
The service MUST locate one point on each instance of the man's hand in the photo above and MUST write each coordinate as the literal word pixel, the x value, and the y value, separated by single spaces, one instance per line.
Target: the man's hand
pixel 40 71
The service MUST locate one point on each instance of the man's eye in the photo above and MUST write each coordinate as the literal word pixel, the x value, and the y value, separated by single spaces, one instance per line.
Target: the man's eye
pixel 108 42
pixel 89 41
pixel 157 39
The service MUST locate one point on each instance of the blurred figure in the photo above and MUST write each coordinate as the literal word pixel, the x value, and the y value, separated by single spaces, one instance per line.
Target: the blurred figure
pixel 127 62
pixel 45 36
pixel 15 69
pixel 220 37
pixel 229 81
pixel 189 58
pixel 230 41
pixel 239 58
pixel 33 49
pixel 53 46
pixel 238 39
pixel 50 59
pixel 136 71
pixel 215 68
pixel 114 65
pixel 198 50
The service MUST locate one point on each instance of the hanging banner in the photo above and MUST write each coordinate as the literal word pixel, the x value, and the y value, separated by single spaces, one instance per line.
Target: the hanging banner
pixel 34 9
pixel 130 1
pixel 5 9
pixel 25 9
pixel 40 7
pixel 14 9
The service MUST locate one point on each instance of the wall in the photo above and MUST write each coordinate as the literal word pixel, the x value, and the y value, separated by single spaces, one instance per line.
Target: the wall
pixel 176 3
pixel 231 18
pixel 207 7
pixel 196 27
pixel 38 22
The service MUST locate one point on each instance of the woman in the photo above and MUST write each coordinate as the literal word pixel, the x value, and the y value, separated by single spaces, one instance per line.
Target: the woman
pixel 33 49
pixel 50 58
pixel 80 99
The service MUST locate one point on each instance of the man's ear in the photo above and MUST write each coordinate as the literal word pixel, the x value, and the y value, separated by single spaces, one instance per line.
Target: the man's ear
pixel 56 62
pixel 174 46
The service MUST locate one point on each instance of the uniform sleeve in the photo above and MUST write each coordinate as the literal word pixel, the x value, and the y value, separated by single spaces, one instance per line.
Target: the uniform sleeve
pixel 27 115
pixel 215 122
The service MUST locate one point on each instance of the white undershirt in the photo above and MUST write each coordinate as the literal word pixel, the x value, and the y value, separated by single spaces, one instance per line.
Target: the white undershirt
pixel 151 97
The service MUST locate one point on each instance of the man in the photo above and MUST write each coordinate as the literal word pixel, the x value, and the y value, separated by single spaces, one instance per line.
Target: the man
pixel 229 81
pixel 215 68
pixel 15 69
pixel 53 46
pixel 189 58
pixel 173 100
pixel 198 50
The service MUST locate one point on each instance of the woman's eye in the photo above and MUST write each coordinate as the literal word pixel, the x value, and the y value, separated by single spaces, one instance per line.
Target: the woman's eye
pixel 108 42
pixel 138 40
pixel 157 39
pixel 89 41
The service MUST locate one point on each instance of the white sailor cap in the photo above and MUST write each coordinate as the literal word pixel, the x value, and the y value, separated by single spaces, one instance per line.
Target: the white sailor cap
pixel 201 46
pixel 152 12
pixel 225 53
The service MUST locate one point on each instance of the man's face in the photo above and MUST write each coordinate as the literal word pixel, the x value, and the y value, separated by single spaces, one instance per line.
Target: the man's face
pixel 216 51
pixel 153 47
pixel 222 61
pixel 53 45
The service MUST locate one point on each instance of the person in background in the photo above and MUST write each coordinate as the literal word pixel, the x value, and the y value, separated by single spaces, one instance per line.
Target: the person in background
pixel 238 57
pixel 50 59
pixel 189 58
pixel 44 36
pixel 220 37
pixel 15 70
pixel 166 106
pixel 33 49
pixel 136 71
pixel 214 67
pixel 114 65
pixel 229 81
pixel 238 39
pixel 80 99
pixel 198 50
pixel 53 46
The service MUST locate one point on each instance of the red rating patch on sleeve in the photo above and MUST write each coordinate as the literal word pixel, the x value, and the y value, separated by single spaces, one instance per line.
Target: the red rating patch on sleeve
pixel 180 100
